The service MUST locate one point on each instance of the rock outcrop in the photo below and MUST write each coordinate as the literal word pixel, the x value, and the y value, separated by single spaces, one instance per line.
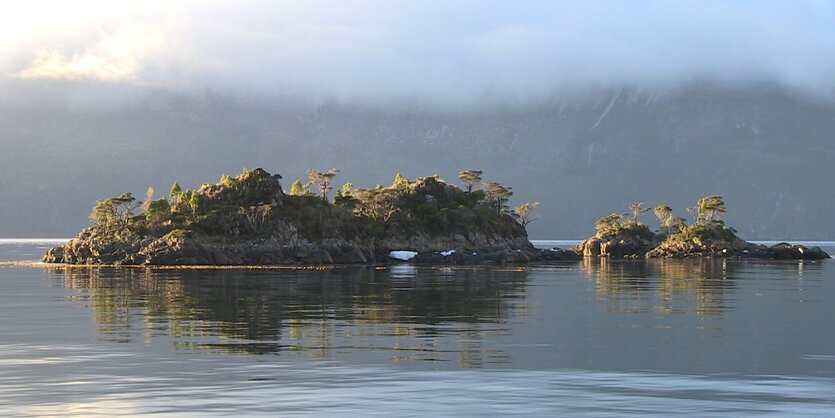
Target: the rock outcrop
pixel 735 249
pixel 630 246
pixel 676 246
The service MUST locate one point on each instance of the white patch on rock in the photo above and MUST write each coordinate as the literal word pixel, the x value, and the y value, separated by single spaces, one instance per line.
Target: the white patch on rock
pixel 403 255
pixel 447 253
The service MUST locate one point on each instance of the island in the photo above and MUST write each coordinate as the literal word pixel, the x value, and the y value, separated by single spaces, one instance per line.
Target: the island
pixel 250 220
pixel 623 235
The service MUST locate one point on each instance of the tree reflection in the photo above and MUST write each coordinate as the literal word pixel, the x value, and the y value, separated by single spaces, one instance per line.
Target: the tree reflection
pixel 314 312
pixel 679 286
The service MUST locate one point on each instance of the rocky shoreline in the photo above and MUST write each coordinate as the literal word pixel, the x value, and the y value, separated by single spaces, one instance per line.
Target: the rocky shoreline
pixel 186 251
pixel 636 247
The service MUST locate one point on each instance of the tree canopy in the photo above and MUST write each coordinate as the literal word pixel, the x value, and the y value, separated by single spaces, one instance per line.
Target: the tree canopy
pixel 323 180
pixel 470 178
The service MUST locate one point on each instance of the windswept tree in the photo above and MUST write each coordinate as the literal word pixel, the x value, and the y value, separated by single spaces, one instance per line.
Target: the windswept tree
pixel 125 205
pixel 637 209
pixel 379 203
pixel 114 211
pixel 709 209
pixel 322 180
pixel 470 178
pixel 498 195
pixel 524 213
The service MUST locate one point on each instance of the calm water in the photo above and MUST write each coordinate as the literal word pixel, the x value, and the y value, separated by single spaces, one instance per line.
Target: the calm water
pixel 585 338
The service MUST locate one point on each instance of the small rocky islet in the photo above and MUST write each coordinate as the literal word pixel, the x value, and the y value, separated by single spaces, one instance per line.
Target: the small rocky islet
pixel 622 235
pixel 249 220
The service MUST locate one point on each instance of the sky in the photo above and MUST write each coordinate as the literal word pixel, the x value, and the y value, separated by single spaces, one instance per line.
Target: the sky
pixel 436 53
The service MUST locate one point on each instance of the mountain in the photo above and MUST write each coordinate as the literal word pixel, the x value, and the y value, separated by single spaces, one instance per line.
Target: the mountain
pixel 769 152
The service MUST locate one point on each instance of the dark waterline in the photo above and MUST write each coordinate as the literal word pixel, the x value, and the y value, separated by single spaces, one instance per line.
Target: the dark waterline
pixel 698 337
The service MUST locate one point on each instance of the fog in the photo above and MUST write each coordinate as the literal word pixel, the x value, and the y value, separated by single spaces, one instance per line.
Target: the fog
pixel 582 106
pixel 439 54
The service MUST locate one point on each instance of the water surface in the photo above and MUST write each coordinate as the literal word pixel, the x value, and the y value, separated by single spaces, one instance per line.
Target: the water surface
pixel 698 337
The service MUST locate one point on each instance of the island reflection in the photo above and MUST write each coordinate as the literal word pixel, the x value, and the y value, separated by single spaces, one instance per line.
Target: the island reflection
pixel 408 311
pixel 702 286
pixel 405 313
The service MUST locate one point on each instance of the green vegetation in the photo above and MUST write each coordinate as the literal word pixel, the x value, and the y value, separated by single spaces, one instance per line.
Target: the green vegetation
pixel 524 213
pixel 497 196
pixel 253 205
pixel 470 178
pixel 621 224
pixel 114 214
pixel 322 180
pixel 707 225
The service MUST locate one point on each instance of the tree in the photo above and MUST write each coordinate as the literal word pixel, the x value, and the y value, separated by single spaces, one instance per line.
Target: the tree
pixel 125 205
pixel 104 213
pixel 114 211
pixel 399 180
pixel 470 178
pixel 194 202
pixel 498 195
pixel 524 213
pixel 158 211
pixel 709 209
pixel 256 216
pixel 227 180
pixel 344 196
pixel 346 189
pixel 299 189
pixel 662 212
pixel 323 180
pixel 637 209
pixel 609 224
pixel 174 193
pixel 149 198
pixel 378 203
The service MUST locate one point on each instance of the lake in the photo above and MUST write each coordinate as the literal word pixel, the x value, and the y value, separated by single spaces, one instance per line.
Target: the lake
pixel 595 337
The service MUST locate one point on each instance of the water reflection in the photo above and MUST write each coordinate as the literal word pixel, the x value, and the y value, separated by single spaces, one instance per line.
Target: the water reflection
pixel 403 310
pixel 676 286
pixel 699 286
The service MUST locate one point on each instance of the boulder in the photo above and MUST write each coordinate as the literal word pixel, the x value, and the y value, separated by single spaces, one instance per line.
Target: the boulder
pixel 616 247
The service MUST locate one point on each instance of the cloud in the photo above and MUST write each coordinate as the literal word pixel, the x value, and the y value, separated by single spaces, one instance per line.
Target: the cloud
pixel 433 52
pixel 120 57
